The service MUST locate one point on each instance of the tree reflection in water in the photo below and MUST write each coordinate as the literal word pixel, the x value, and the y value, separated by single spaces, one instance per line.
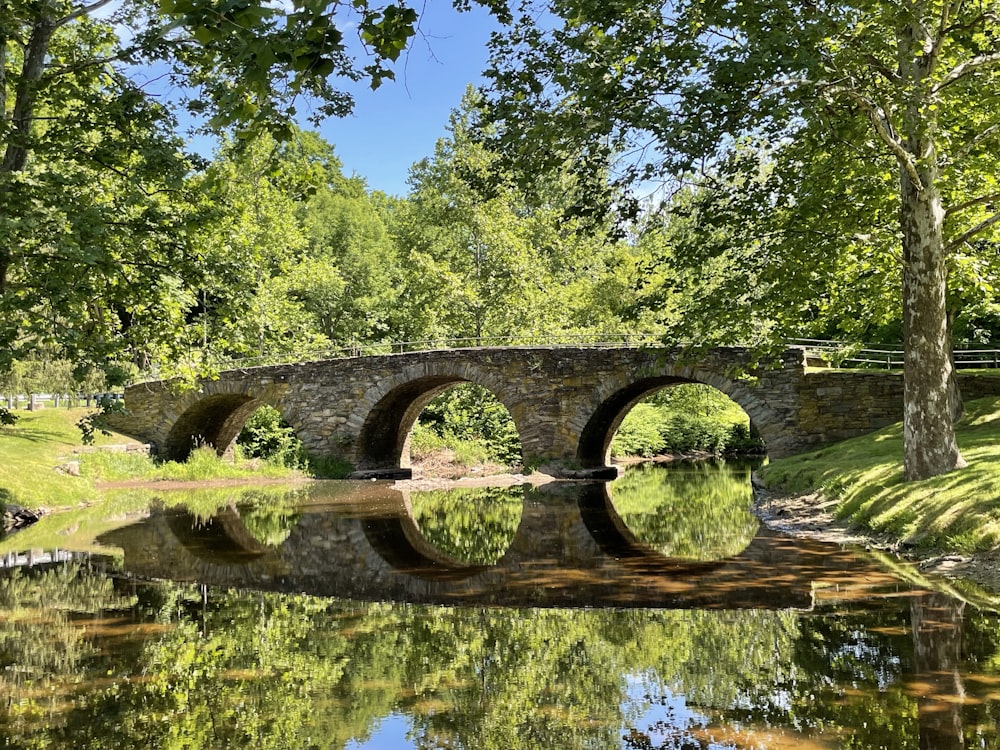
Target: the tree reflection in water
pixel 471 525
pixel 94 664
pixel 692 510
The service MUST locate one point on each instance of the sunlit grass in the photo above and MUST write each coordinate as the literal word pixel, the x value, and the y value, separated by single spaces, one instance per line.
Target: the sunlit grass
pixel 30 452
pixel 957 511
pixel 202 465
pixel 33 450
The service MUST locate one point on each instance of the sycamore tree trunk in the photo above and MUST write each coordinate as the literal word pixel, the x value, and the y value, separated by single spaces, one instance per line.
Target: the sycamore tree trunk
pixel 929 445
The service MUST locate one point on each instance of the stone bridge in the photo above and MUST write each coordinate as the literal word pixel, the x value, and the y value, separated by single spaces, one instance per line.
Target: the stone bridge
pixel 566 402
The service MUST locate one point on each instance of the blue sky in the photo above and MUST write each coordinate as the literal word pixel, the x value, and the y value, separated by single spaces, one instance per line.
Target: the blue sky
pixel 399 123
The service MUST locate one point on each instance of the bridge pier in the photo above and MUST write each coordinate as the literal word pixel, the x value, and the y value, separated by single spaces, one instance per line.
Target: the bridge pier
pixel 391 473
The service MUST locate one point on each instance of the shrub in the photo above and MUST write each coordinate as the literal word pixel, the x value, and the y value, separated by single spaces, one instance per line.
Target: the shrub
pixel 685 419
pixel 469 414
pixel 641 433
pixel 268 436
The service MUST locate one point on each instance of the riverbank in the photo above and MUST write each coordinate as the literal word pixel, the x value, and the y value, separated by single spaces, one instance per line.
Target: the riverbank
pixel 853 492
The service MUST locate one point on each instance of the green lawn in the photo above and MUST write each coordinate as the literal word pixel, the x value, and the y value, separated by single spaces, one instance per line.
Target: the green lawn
pixel 958 511
pixel 32 450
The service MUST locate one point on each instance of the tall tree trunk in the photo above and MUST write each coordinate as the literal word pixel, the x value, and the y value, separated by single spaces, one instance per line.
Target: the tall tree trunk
pixel 929 444
pixel 15 157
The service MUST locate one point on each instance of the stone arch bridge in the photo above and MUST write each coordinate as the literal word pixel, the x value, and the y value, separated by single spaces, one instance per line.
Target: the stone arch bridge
pixel 566 402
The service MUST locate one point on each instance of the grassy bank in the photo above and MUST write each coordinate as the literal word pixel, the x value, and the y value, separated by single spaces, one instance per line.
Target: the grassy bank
pixel 32 451
pixel 959 511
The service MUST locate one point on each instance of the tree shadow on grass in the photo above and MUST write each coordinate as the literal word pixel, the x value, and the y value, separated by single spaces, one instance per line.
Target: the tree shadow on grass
pixel 6 498
pixel 34 435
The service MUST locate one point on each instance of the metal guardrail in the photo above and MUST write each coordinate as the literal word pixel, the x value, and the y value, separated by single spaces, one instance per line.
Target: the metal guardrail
pixel 840 354
pixel 834 353
pixel 598 341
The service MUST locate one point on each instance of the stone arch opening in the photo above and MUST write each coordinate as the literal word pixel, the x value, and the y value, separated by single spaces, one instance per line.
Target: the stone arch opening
pixel 268 436
pixel 594 448
pixel 214 420
pixel 384 439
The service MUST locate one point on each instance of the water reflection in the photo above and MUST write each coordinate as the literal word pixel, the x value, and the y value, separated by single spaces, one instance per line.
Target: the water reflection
pixel 557 545
pixel 474 525
pixel 697 510
pixel 91 664
pixel 318 623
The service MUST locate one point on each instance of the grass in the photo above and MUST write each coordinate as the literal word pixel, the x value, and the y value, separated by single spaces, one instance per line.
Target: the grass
pixel 958 511
pixel 32 450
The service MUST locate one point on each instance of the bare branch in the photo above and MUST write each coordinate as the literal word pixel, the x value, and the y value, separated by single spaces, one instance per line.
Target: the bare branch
pixel 963 69
pixel 973 142
pixel 981 200
pixel 970 233
pixel 883 128
pixel 82 10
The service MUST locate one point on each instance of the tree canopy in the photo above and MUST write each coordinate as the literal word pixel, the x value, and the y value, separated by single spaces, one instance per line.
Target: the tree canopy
pixel 894 101
pixel 95 214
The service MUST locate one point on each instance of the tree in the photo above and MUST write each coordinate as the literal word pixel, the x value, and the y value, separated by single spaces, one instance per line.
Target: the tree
pixel 350 279
pixel 667 91
pixel 489 259
pixel 94 224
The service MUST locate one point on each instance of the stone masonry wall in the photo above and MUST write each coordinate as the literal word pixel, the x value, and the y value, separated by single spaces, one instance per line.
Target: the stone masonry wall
pixel 566 402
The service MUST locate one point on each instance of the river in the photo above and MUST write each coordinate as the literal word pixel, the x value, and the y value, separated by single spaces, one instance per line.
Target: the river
pixel 654 612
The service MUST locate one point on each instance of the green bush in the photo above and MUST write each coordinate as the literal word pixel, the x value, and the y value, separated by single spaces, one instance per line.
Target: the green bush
pixel 468 414
pixel 689 418
pixel 266 435
pixel 641 432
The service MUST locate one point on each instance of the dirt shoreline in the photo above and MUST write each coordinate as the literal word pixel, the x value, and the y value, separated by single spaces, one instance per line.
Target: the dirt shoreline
pixel 810 515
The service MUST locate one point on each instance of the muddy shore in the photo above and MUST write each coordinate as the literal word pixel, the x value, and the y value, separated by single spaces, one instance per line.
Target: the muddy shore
pixel 809 515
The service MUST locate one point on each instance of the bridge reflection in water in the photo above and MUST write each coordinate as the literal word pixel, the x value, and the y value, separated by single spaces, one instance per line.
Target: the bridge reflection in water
pixel 571 548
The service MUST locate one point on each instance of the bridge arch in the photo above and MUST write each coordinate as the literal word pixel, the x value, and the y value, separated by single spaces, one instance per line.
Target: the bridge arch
pixel 615 399
pixel 388 410
pixel 214 415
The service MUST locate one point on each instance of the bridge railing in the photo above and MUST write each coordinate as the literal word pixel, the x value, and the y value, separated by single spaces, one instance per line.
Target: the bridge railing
pixel 597 341
pixel 832 353
pixel 841 354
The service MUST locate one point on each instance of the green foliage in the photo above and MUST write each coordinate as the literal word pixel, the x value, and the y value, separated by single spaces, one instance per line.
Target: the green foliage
pixel 834 157
pixel 268 436
pixel 94 422
pixel 685 418
pixel 469 414
pixel 100 255
pixel 482 260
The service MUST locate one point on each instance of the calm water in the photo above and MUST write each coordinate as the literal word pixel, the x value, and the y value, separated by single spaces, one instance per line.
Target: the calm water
pixel 651 613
